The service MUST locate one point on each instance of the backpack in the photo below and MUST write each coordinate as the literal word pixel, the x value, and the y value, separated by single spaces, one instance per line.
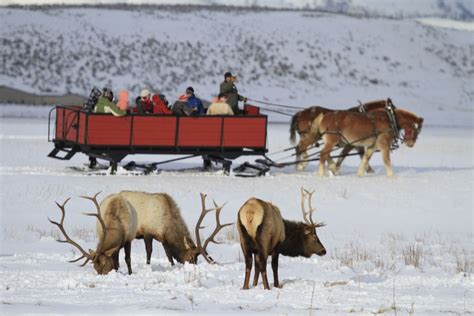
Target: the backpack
pixel 92 100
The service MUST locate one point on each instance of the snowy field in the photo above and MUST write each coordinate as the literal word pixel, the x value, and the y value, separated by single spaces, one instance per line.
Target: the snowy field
pixel 401 245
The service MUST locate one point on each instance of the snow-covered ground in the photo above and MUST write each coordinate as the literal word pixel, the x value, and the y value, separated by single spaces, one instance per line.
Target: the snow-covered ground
pixel 403 243
pixel 399 245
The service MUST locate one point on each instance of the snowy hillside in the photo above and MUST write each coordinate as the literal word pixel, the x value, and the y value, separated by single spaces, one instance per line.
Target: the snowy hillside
pixel 297 58
pixel 454 9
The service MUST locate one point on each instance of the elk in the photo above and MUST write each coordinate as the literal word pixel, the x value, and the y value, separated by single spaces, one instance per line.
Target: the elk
pixel 264 232
pixel 159 218
pixel 116 228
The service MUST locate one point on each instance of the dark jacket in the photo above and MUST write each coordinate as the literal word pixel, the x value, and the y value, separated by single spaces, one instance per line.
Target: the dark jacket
pixel 233 97
pixel 196 104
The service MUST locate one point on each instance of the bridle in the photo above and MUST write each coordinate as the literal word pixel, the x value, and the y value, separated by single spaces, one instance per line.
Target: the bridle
pixel 412 132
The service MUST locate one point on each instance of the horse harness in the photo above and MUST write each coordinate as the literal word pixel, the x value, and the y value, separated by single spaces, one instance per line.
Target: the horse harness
pixel 393 122
pixel 344 140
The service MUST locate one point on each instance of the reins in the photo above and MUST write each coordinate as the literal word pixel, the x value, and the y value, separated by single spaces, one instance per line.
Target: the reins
pixel 278 105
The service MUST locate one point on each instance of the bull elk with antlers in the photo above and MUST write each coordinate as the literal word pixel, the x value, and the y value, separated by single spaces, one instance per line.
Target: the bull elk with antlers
pixel 116 228
pixel 159 218
pixel 264 232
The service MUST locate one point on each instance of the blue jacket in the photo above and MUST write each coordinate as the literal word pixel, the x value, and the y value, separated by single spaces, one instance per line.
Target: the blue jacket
pixel 196 104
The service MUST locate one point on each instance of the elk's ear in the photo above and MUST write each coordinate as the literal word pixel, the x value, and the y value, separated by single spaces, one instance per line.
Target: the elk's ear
pixel 93 254
pixel 111 251
pixel 308 230
pixel 186 244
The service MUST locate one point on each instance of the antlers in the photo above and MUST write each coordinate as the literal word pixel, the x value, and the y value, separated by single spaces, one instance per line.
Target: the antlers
pixel 219 226
pixel 308 216
pixel 99 218
pixel 85 255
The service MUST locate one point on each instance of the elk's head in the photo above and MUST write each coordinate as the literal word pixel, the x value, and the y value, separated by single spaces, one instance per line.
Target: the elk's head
pixel 311 244
pixel 102 258
pixel 191 252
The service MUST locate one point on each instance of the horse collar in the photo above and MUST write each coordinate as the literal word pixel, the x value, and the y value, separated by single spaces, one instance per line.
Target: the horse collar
pixel 392 117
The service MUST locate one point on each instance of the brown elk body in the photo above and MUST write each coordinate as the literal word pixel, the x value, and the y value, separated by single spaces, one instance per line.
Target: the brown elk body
pixel 371 131
pixel 302 123
pixel 159 218
pixel 264 232
pixel 116 228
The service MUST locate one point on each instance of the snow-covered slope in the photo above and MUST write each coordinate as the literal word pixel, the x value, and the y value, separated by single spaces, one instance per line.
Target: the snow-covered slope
pixel 297 58
pixel 399 245
pixel 454 9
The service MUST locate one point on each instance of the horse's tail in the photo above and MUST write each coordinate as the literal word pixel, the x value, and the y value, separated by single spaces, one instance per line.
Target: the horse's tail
pixel 293 127
pixel 314 132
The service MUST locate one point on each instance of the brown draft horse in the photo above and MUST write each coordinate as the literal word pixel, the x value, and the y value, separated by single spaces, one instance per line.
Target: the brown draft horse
pixel 369 130
pixel 302 122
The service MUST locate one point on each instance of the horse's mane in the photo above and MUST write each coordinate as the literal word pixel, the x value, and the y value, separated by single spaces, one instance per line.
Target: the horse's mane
pixel 376 102
pixel 407 114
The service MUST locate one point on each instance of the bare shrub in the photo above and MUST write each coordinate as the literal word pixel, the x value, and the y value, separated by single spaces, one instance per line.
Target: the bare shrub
pixel 230 235
pixel 351 254
pixel 464 263
pixel 413 255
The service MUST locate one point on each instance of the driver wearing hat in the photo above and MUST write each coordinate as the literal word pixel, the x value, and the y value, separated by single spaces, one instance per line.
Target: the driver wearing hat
pixel 229 89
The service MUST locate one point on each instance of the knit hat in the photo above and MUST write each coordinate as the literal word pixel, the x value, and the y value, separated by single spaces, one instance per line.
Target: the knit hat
pixel 227 75
pixel 145 93
pixel 190 90
pixel 108 94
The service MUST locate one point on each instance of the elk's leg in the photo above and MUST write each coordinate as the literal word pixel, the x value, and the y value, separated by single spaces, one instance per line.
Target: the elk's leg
pixel 128 248
pixel 257 273
pixel 262 267
pixel 386 161
pixel 168 253
pixel 248 269
pixel 148 246
pixel 365 161
pixel 275 255
pixel 115 259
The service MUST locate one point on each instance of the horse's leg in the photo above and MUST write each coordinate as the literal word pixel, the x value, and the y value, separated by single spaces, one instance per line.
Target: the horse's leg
pixel 332 165
pixel 342 156
pixel 361 152
pixel 387 162
pixel 301 152
pixel 365 161
pixel 324 156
